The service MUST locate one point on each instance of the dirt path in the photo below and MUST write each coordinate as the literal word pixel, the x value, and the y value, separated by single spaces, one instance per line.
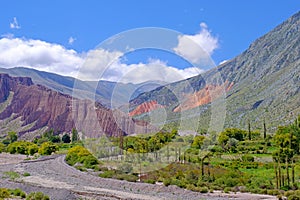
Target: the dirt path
pixel 53 174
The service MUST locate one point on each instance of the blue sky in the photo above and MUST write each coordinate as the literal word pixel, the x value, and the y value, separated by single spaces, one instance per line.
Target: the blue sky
pixel 77 27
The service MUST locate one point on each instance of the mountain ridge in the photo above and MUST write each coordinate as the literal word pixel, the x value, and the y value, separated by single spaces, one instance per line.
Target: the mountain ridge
pixel 265 81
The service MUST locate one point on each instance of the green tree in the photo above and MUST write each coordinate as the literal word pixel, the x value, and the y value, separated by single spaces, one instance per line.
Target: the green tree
pixel 47 148
pixel 66 138
pixel 74 135
pixel 198 141
pixel 12 136
pixel 228 133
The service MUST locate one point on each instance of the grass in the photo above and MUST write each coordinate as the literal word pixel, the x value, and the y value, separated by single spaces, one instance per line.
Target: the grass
pixel 11 175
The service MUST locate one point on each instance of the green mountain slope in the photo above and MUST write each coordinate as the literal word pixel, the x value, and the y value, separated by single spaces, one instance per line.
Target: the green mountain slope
pixel 261 83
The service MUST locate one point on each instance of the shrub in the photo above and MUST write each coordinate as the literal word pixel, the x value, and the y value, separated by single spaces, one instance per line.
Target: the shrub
pixel 203 190
pixel 126 168
pixel 227 189
pixel 4 193
pixel 294 197
pixel 167 182
pixel 26 174
pixel 11 175
pixel 47 148
pixel 79 154
pixel 32 149
pixel 2 147
pixel 37 196
pixel 150 181
pixel 18 192
pixel 21 147
pixel 127 177
pixel 248 158
pixel 107 174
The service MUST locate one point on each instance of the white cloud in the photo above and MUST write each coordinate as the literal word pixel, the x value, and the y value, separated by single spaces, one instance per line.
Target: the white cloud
pixel 154 70
pixel 71 40
pixel 14 24
pixel 197 47
pixel 94 65
pixel 39 55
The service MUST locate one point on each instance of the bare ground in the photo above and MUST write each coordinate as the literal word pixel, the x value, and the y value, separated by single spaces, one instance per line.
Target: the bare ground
pixel 55 178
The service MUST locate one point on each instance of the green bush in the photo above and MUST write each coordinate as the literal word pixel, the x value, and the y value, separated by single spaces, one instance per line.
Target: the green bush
pixel 248 158
pixel 167 182
pixel 294 197
pixel 32 149
pixel 79 154
pixel 26 174
pixel 2 147
pixel 203 190
pixel 18 192
pixel 126 168
pixel 150 181
pixel 127 177
pixel 108 174
pixel 4 193
pixel 37 196
pixel 47 148
pixel 22 147
pixel 227 189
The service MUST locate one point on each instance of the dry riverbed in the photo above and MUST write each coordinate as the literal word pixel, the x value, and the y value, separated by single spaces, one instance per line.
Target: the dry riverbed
pixel 55 178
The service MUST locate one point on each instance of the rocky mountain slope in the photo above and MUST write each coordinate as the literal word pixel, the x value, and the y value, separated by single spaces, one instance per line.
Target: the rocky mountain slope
pixel 261 83
pixel 101 91
pixel 31 109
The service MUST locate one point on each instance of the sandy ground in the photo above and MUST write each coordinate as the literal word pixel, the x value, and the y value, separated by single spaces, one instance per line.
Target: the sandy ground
pixel 6 158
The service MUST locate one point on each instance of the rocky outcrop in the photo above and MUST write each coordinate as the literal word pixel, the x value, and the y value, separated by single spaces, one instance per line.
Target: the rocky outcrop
pixel 8 83
pixel 42 107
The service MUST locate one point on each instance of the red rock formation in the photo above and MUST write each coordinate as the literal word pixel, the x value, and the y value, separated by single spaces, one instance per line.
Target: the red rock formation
pixel 47 108
pixel 145 107
pixel 203 96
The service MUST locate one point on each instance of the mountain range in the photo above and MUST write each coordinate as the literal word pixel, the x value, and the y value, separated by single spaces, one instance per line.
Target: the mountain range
pixel 260 85
pixel 100 91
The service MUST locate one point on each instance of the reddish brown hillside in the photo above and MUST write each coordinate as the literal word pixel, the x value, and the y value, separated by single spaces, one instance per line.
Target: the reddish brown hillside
pixel 42 107
pixel 203 96
pixel 145 107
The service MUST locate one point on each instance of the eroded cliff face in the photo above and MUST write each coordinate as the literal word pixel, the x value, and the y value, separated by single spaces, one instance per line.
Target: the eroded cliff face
pixel 8 84
pixel 42 107
pixel 203 96
pixel 145 107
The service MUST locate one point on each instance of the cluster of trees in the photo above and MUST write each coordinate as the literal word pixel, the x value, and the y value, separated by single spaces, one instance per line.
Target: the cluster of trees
pixel 30 148
pixel 287 139
pixel 147 144
pixel 51 136
pixel 45 144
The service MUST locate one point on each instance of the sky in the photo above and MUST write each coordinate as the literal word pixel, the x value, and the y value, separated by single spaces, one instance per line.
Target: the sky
pixel 66 37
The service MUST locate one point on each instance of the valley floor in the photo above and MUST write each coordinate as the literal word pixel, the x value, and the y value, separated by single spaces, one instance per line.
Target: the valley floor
pixel 52 176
